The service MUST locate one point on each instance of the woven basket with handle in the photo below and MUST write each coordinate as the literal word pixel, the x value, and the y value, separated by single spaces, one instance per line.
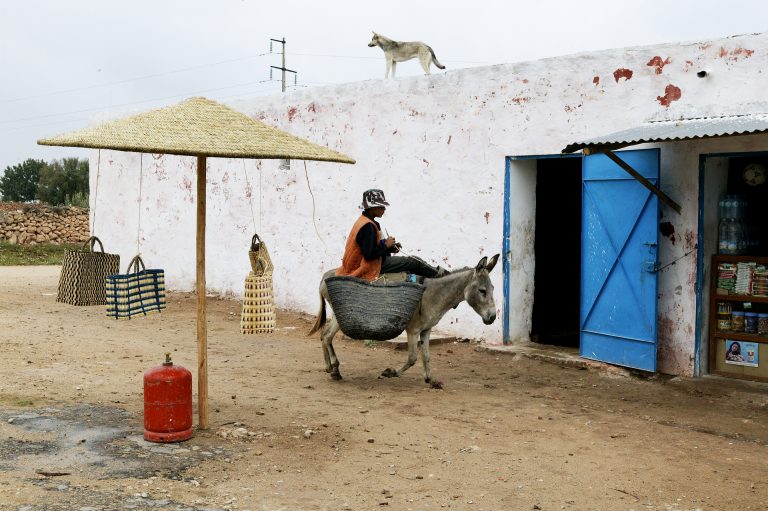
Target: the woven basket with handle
pixel 84 273
pixel 372 310
pixel 261 263
pixel 138 291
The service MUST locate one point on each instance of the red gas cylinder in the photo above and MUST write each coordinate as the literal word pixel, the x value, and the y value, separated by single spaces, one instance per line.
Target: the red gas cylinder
pixel 167 403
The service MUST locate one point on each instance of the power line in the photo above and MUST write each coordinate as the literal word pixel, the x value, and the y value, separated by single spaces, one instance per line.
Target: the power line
pixel 133 103
pixel 359 57
pixel 13 128
pixel 202 66
pixel 138 78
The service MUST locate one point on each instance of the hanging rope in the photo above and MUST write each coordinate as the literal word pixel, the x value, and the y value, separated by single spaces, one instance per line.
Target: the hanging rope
pixel 314 218
pixel 96 194
pixel 138 224
pixel 250 197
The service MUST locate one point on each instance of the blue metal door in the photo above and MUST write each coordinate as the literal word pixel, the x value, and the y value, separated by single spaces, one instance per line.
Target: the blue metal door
pixel 620 226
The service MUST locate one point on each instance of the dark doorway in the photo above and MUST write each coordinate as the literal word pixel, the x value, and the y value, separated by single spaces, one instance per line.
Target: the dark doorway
pixel 558 252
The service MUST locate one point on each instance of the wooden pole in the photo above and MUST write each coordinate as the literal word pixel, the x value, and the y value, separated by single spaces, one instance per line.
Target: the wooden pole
pixel 202 327
pixel 632 172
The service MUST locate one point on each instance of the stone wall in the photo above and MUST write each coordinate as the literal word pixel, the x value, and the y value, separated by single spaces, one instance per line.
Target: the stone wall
pixel 30 224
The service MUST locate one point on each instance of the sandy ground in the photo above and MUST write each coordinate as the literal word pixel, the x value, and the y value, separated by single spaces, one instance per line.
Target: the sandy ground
pixel 506 432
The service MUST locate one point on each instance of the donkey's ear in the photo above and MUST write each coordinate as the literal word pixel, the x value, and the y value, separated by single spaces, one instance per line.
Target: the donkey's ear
pixel 492 262
pixel 481 264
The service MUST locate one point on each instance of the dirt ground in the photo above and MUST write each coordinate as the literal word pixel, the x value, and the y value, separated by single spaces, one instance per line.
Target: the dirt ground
pixel 506 433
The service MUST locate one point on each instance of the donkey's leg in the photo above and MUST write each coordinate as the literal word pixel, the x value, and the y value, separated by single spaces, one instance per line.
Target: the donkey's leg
pixel 424 338
pixel 326 355
pixel 332 362
pixel 413 338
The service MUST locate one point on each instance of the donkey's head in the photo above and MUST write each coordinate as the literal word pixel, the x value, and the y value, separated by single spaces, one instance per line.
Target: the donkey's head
pixel 479 291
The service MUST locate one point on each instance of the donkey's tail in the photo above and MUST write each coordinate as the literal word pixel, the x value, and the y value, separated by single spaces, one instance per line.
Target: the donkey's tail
pixel 434 59
pixel 321 317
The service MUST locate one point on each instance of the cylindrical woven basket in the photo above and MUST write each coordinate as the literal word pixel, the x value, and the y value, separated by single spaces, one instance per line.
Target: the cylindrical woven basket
pixel 258 316
pixel 375 311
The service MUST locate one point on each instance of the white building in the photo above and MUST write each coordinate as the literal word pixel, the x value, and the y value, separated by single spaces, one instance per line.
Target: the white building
pixel 460 156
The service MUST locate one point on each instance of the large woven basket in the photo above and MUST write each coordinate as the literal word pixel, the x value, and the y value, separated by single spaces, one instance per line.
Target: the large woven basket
pixel 372 310
pixel 258 316
pixel 84 273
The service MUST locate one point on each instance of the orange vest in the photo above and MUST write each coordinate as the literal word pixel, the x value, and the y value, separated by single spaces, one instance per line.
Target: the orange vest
pixel 354 264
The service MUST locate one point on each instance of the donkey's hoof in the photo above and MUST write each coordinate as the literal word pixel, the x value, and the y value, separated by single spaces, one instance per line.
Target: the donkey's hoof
pixel 389 373
pixel 336 376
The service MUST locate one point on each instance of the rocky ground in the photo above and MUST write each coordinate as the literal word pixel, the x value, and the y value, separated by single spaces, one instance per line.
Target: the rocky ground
pixel 505 433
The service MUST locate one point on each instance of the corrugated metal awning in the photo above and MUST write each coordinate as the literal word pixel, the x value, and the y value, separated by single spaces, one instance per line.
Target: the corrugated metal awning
pixel 684 129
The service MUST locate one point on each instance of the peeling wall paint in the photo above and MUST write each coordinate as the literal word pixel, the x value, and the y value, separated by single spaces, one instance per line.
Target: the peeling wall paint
pixel 437 146
pixel 671 93
pixel 624 73
pixel 658 63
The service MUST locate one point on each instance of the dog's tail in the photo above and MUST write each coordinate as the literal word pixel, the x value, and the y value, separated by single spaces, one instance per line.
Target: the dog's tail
pixel 434 59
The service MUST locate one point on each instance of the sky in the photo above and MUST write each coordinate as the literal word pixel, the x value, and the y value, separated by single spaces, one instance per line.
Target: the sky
pixel 65 64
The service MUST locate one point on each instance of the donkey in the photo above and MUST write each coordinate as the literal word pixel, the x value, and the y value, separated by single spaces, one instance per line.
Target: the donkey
pixel 470 284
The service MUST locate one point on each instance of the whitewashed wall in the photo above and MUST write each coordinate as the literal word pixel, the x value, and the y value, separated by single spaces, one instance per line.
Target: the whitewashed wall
pixel 437 146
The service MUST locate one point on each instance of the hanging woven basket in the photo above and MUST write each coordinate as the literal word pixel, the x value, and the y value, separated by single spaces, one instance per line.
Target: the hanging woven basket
pixel 261 263
pixel 258 315
pixel 84 273
pixel 372 310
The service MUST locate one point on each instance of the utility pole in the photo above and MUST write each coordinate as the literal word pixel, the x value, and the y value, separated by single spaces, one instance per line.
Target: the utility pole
pixel 282 69
pixel 284 163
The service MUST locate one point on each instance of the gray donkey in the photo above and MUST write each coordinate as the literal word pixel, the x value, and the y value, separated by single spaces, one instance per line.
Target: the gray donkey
pixel 470 284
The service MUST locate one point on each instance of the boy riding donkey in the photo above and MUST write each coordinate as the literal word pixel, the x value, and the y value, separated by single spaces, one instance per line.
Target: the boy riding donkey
pixel 367 254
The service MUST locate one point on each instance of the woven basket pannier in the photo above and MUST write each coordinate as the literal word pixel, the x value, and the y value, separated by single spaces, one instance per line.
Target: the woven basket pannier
pixel 259 255
pixel 138 291
pixel 258 316
pixel 84 273
pixel 372 310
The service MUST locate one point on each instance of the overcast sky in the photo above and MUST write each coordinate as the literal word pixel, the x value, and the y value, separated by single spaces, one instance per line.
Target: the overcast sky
pixel 64 63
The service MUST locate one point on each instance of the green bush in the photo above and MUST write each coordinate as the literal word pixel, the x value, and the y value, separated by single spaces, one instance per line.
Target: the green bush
pixel 77 199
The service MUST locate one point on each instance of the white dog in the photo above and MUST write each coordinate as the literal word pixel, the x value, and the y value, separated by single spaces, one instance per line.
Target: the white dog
pixel 397 51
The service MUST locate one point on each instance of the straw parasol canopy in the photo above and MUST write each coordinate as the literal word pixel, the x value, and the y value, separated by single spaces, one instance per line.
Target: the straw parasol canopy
pixel 197 127
pixel 202 128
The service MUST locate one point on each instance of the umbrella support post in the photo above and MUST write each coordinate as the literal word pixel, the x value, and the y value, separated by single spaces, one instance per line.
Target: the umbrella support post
pixel 202 327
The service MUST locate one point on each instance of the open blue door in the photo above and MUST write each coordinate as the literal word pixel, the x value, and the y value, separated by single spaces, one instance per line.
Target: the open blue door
pixel 620 226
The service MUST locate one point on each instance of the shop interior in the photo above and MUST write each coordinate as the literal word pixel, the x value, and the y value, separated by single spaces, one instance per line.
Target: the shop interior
pixel 735 259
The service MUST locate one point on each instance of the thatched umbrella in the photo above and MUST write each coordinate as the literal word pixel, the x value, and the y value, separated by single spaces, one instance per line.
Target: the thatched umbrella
pixel 202 128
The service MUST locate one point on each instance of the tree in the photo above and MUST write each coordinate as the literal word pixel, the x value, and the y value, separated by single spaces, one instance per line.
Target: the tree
pixel 60 180
pixel 19 183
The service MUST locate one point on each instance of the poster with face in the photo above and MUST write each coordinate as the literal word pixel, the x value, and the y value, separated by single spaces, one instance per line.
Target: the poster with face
pixel 741 353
